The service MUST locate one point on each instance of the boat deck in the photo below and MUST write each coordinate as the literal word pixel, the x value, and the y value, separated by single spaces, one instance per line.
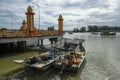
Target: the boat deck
pixel 73 67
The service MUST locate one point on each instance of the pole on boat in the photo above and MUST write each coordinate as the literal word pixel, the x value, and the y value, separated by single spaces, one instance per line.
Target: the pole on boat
pixel 54 53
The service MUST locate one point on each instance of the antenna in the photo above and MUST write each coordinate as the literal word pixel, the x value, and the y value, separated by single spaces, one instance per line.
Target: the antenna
pixel 35 3
pixel 11 18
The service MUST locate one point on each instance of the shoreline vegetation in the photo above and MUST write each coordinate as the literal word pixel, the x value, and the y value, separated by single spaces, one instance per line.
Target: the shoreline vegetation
pixel 95 28
pixel 7 65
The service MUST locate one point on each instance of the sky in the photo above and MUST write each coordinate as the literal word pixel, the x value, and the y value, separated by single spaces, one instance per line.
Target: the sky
pixel 76 13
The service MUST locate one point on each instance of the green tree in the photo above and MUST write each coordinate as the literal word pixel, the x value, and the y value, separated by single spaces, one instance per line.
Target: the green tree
pixel 82 29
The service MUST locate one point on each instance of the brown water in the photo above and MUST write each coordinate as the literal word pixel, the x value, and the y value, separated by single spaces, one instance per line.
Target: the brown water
pixel 102 61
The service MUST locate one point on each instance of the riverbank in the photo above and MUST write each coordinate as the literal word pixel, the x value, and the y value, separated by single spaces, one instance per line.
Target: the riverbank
pixel 7 65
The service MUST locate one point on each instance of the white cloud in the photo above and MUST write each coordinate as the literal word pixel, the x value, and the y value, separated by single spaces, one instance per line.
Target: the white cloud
pixel 113 4
pixel 75 12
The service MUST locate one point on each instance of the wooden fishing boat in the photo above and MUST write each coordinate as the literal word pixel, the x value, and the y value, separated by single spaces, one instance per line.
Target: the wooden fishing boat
pixel 107 33
pixel 70 32
pixel 54 57
pixel 42 62
pixel 73 58
pixel 95 33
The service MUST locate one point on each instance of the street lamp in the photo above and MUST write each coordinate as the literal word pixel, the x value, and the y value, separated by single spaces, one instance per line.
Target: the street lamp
pixel 38 12
pixel 11 18
pixel 39 21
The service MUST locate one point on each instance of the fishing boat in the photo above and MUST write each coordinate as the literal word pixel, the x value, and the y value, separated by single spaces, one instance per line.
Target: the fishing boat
pixel 94 33
pixel 42 62
pixel 70 32
pixel 107 33
pixel 74 56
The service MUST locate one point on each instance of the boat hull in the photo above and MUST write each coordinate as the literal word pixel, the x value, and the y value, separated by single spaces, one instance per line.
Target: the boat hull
pixel 38 62
pixel 107 33
pixel 74 67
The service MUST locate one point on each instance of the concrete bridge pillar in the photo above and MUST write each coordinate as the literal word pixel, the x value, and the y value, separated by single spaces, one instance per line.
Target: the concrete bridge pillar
pixel 41 43
pixel 52 41
pixel 5 47
pixel 38 42
pixel 12 46
pixel 21 46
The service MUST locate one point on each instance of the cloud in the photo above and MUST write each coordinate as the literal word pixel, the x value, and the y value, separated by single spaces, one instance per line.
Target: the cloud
pixel 75 12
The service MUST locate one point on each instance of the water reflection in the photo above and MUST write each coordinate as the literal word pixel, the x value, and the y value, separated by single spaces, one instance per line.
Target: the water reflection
pixel 108 36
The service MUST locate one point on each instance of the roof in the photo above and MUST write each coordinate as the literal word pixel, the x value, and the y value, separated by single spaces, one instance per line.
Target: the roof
pixel 29 9
pixel 60 17
pixel 74 41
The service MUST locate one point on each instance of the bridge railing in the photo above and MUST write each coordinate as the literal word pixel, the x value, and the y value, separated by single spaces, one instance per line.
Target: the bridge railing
pixel 21 33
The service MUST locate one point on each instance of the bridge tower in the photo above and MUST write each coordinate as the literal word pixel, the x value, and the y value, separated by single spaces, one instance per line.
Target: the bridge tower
pixel 24 26
pixel 3 32
pixel 60 24
pixel 30 21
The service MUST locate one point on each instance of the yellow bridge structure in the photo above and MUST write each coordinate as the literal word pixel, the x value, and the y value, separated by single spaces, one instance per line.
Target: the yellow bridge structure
pixel 28 29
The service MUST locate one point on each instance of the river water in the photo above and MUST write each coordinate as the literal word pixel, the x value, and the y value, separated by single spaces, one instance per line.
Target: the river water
pixel 102 61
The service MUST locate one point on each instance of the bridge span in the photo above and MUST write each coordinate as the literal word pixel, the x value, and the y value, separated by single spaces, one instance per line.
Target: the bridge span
pixel 19 43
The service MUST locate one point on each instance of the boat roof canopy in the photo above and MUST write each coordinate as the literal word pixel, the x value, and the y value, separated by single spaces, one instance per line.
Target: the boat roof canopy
pixel 74 41
pixel 69 44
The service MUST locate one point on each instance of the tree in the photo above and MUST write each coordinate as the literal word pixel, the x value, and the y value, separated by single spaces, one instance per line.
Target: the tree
pixel 82 29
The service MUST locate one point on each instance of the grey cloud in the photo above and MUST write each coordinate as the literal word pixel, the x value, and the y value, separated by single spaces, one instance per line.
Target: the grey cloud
pixel 97 14
pixel 111 18
pixel 70 14
pixel 48 23
pixel 52 10
pixel 48 12
pixel 96 4
pixel 85 5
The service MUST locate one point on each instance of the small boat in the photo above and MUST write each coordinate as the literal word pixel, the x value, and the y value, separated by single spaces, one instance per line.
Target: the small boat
pixel 107 33
pixel 70 32
pixel 73 57
pixel 42 62
pixel 94 33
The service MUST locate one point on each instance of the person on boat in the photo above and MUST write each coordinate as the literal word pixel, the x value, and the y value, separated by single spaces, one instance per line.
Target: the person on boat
pixel 81 47
pixel 64 62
